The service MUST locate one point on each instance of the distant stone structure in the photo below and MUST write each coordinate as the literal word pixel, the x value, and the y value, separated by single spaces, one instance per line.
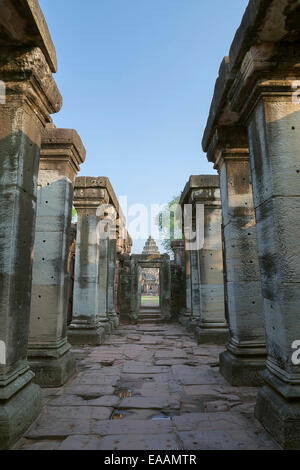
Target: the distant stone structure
pixel 205 307
pixel 150 247
pixel 238 287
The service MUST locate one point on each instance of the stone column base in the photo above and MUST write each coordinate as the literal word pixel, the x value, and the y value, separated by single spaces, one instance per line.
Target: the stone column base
pixel 242 371
pixel 114 320
pixel 106 326
pixel 279 416
pixel 212 335
pixel 18 413
pixel 184 318
pixel 93 336
pixel 53 372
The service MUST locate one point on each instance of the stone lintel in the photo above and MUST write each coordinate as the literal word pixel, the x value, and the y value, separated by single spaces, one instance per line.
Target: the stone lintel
pixel 228 142
pixel 103 183
pixel 89 193
pixel 265 43
pixel 28 77
pixel 265 21
pixel 219 109
pixel 62 152
pixel 198 182
pixel 22 23
pixel 177 245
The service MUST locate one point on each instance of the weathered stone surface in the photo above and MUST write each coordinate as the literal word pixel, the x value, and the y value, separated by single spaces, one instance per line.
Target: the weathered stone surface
pixel 149 411
pixel 140 442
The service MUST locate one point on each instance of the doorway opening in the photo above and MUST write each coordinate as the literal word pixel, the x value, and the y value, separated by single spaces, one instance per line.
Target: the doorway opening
pixel 150 288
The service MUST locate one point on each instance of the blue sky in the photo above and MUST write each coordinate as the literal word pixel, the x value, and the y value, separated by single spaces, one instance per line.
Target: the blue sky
pixel 137 77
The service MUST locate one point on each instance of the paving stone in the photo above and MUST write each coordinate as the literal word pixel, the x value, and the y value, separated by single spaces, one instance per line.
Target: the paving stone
pixel 131 426
pixel 141 368
pixel 159 403
pixel 28 444
pixel 140 442
pixel 80 443
pixel 65 421
pixel 193 421
pixel 221 440
pixel 90 391
pixel 148 386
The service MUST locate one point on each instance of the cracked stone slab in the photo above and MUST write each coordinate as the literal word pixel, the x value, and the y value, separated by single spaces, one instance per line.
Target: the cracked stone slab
pixel 223 440
pixel 154 403
pixel 80 443
pixel 141 368
pixel 89 390
pixel 140 442
pixel 65 421
pixel 130 426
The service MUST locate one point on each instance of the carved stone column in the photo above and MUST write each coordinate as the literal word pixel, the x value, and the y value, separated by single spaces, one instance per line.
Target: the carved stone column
pixel 85 327
pixel 179 254
pixel 245 357
pixel 49 352
pixel 266 94
pixel 30 96
pixel 212 327
pixel 111 275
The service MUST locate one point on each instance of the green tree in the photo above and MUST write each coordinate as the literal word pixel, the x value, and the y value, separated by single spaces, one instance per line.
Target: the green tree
pixel 169 225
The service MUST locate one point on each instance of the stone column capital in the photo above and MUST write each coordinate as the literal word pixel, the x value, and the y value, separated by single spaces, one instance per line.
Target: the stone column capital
pixel 28 78
pixel 89 195
pixel 268 71
pixel 228 143
pixel 62 152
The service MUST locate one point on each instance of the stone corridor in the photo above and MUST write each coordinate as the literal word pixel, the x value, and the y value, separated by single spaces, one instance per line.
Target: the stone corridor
pixel 147 387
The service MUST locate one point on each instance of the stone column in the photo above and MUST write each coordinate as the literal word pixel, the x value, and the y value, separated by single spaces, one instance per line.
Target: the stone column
pixel 195 282
pixel 31 94
pixel 272 111
pixel 213 326
pixel 103 284
pixel 85 327
pixel 111 275
pixel 245 357
pixel 49 352
pixel 179 254
pixel 185 314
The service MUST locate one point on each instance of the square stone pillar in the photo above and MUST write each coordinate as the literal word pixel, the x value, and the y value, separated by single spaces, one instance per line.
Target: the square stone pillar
pixel 272 112
pixel 245 357
pixel 103 284
pixel 30 95
pixel 186 313
pixel 195 286
pixel 179 253
pixel 111 276
pixel 212 327
pixel 49 351
pixel 85 327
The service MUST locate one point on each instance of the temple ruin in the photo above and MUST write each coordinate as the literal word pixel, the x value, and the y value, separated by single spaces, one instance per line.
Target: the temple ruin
pixel 224 315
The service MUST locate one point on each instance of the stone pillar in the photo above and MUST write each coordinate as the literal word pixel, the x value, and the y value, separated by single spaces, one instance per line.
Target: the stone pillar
pixel 272 112
pixel 213 326
pixel 194 318
pixel 49 352
pixel 245 357
pixel 185 314
pixel 85 327
pixel 275 160
pixel 103 284
pixel 31 94
pixel 111 275
pixel 179 254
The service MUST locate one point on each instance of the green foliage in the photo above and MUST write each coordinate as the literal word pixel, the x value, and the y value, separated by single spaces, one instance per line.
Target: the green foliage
pixel 169 226
pixel 74 214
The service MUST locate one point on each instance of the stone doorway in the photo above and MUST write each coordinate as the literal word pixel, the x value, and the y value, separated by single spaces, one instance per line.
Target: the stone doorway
pixel 150 288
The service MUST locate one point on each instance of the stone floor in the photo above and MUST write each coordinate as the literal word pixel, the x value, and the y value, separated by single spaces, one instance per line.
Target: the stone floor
pixel 148 387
